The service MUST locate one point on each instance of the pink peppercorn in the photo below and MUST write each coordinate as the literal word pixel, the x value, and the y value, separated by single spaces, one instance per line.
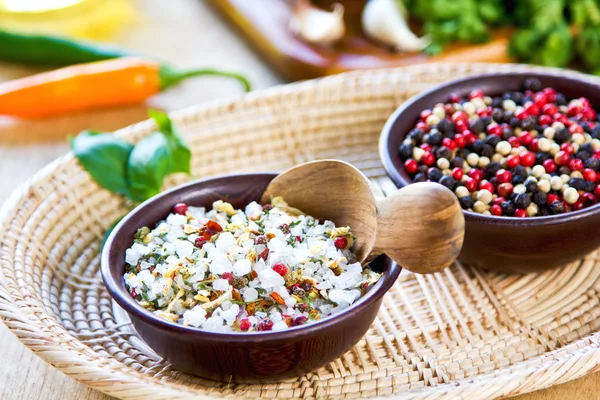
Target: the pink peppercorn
pixel 180 208
pixel 340 242
pixel 245 324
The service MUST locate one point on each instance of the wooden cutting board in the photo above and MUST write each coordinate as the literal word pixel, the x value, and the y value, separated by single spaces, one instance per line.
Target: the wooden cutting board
pixel 264 23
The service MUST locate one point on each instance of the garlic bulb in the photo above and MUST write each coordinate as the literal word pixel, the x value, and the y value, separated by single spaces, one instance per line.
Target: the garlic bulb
pixel 315 25
pixel 385 21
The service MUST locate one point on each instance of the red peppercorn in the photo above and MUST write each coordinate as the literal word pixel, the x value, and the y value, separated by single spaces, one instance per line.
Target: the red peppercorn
pixel 527 159
pixel 597 191
pixel 550 109
pixel 514 141
pixel 340 242
pixel 449 110
pixel 512 161
pixel 299 320
pixel 471 184
pixel 280 268
pixel 578 205
pixel 584 102
pixel 454 98
pixel 425 114
pixel 245 324
pixel 499 200
pixel 180 208
pixel 496 209
pixel 494 129
pixel 521 114
pixel 526 139
pixel 411 166
pixel 540 99
pixel 573 110
pixel 133 293
pixel 589 113
pixel 484 112
pixel 428 158
pixel 532 109
pixel 576 165
pixel 534 146
pixel 550 94
pixel 520 213
pixel 263 255
pixel 425 146
pixel 575 128
pixel 551 198
pixel 549 166
pixel 505 189
pixel 485 185
pixel 460 116
pixel 544 120
pixel 562 157
pixel 228 276
pixel 461 126
pixel 588 198
pixel 469 136
pixel 264 325
pixel 460 140
pixel 422 126
pixel 457 173
pixel 449 143
pixel 475 93
pixel 476 174
pixel 590 175
pixel 504 176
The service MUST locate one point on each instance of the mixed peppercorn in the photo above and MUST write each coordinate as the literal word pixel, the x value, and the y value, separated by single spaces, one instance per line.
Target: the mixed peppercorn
pixel 522 154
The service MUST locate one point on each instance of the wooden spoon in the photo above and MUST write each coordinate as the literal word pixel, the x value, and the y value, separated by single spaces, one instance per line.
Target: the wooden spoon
pixel 420 226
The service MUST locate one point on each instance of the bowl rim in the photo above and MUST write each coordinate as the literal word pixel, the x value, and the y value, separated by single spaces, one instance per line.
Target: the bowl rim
pixel 385 153
pixel 119 294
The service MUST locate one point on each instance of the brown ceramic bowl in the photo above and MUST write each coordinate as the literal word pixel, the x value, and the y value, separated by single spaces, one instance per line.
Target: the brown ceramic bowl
pixel 241 357
pixel 503 243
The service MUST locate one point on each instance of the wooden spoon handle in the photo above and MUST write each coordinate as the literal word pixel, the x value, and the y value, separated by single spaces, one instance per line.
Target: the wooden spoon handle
pixel 421 227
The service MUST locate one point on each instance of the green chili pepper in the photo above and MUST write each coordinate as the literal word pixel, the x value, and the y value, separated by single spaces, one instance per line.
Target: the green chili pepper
pixel 52 50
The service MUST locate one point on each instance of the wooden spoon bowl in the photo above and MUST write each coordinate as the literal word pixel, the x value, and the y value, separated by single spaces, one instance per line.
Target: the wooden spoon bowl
pixel 421 227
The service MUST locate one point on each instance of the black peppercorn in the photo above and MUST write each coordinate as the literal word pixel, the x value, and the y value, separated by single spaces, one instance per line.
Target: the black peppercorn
pixel 518 179
pixel 582 155
pixel 587 147
pixel 590 186
pixel 496 102
pixel 562 135
pixel 541 157
pixel 457 162
pixel 498 115
pixel 477 126
pixel 507 208
pixel 478 146
pixel 596 132
pixel 586 127
pixel 420 177
pixel 405 151
pixel 486 120
pixel 488 151
pixel 444 152
pixel 448 181
pixel 532 84
pixel 508 115
pixel 463 153
pixel 491 169
pixel 446 127
pixel 528 123
pixel 531 186
pixel 517 97
pixel 494 181
pixel 434 174
pixel 543 212
pixel 560 99
pixel 507 133
pixel 416 135
pixel 577 183
pixel 592 163
pixel 423 168
pixel 522 201
pixel 492 140
pixel 540 198
pixel 520 170
pixel 564 170
pixel 466 202
pixel 557 207
pixel 433 138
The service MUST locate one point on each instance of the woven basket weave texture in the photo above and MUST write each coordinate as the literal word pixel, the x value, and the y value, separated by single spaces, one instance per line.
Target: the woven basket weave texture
pixel 462 332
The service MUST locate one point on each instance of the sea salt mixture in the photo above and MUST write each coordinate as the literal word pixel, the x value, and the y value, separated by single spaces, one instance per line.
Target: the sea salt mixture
pixel 265 268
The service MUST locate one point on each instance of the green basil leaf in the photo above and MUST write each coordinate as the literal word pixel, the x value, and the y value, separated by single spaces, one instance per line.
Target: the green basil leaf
pixel 104 156
pixel 180 154
pixel 148 164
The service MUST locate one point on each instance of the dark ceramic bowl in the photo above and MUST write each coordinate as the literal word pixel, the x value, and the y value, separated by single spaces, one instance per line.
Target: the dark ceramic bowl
pixel 503 243
pixel 241 357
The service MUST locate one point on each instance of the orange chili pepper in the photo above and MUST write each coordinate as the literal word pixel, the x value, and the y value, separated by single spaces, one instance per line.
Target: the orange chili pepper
pixel 114 82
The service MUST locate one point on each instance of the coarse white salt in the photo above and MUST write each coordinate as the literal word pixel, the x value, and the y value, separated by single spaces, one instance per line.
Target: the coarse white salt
pixel 242 267
pixel 270 279
pixel 184 248
pixel 221 284
pixel 250 294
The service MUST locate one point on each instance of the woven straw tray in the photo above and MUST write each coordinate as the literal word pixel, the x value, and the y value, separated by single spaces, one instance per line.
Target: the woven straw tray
pixel 463 333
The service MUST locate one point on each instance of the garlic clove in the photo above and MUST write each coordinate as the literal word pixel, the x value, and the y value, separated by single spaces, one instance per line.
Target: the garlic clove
pixel 315 25
pixel 385 21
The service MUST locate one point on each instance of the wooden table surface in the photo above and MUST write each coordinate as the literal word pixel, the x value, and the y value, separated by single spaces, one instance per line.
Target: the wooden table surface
pixel 187 33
